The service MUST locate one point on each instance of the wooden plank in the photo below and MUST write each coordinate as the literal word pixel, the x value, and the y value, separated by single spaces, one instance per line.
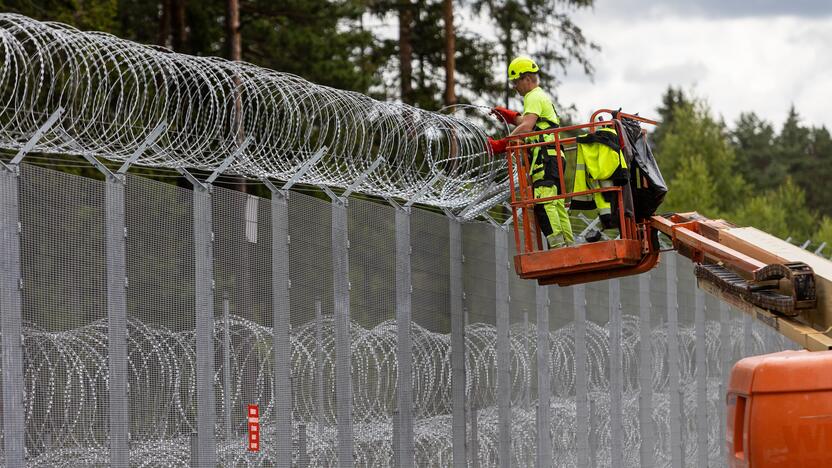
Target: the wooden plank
pixel 770 249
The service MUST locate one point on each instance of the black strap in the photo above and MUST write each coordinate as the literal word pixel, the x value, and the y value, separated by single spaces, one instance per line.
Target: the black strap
pixel 545 120
pixel 604 138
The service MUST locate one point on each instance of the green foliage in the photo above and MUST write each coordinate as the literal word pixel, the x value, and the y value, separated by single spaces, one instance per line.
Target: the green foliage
pixel 521 24
pixel 693 188
pixel 813 168
pixel 824 234
pixel 767 158
pixel 697 159
pixel 781 212
pixel 751 175
pixel 753 140
pixel 320 40
pixel 100 15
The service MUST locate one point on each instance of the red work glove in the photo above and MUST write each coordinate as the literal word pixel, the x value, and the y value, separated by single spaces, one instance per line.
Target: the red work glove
pixel 497 146
pixel 508 115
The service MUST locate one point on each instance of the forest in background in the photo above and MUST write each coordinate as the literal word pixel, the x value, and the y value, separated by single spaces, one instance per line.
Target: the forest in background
pixel 752 173
pixel 421 52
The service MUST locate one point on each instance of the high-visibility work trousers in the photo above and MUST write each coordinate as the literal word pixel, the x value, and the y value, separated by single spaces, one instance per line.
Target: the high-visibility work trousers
pixel 604 206
pixel 552 218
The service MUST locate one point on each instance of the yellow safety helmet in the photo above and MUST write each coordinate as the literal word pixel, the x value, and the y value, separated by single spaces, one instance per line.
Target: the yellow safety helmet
pixel 520 65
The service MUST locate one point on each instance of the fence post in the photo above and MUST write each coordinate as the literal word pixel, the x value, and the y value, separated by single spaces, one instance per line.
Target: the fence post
pixel 204 289
pixel 616 375
pixel 582 413
pixel 116 247
pixel 117 322
pixel 457 345
pixel 701 382
pixel 11 318
pixel 343 377
pixel 645 373
pixel 281 325
pixel 726 360
pixel 544 390
pixel 503 347
pixel 674 374
pixel 747 335
pixel 405 449
pixel 206 414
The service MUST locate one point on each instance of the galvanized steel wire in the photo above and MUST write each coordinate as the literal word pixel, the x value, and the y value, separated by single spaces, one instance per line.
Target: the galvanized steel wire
pixel 116 92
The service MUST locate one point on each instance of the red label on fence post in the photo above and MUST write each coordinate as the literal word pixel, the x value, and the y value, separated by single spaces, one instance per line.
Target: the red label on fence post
pixel 253 419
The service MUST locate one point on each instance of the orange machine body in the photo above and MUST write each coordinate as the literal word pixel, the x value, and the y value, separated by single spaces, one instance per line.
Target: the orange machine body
pixel 780 411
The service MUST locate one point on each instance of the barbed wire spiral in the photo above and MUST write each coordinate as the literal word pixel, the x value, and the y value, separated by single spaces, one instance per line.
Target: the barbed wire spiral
pixel 115 93
pixel 66 387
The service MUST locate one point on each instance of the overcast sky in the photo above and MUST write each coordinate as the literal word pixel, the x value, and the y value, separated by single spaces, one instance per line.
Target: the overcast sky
pixel 740 56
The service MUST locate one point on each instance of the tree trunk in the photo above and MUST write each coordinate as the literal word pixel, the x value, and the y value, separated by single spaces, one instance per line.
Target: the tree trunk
pixel 233 40
pixel 232 30
pixel 509 47
pixel 164 25
pixel 406 51
pixel 450 52
pixel 179 25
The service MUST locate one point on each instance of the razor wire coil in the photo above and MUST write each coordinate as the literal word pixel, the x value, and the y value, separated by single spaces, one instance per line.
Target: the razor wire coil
pixel 66 374
pixel 115 93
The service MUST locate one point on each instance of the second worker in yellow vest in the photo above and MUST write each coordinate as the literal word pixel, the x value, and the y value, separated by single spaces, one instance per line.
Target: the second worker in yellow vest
pixel 538 114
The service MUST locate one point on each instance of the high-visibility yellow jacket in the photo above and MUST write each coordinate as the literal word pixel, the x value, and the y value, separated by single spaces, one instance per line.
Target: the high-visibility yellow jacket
pixel 543 163
pixel 599 161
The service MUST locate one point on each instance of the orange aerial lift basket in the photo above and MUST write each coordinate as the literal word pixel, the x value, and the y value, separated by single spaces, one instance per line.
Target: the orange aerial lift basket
pixel 787 288
pixel 635 251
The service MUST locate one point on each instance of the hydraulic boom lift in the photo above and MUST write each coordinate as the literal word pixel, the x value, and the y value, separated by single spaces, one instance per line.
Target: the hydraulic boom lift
pixel 637 249
pixel 775 282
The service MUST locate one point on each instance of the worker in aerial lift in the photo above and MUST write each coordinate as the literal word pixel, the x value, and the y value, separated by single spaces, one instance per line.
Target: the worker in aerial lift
pixel 538 114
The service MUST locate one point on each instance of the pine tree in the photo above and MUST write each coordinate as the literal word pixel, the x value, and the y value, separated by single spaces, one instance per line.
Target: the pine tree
pixel 753 141
pixel 694 151
pixel 520 24
pixel 781 212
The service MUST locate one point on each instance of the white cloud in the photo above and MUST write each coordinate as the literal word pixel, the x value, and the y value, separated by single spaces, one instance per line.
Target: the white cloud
pixel 738 64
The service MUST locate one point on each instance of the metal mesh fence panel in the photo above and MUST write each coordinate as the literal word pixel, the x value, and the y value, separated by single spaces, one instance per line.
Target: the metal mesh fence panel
pixel 631 371
pixel 479 311
pixel 431 315
pixel 313 351
pixel 243 306
pixel 64 312
pixel 373 346
pixel 523 361
pixel 430 270
pixel 160 305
